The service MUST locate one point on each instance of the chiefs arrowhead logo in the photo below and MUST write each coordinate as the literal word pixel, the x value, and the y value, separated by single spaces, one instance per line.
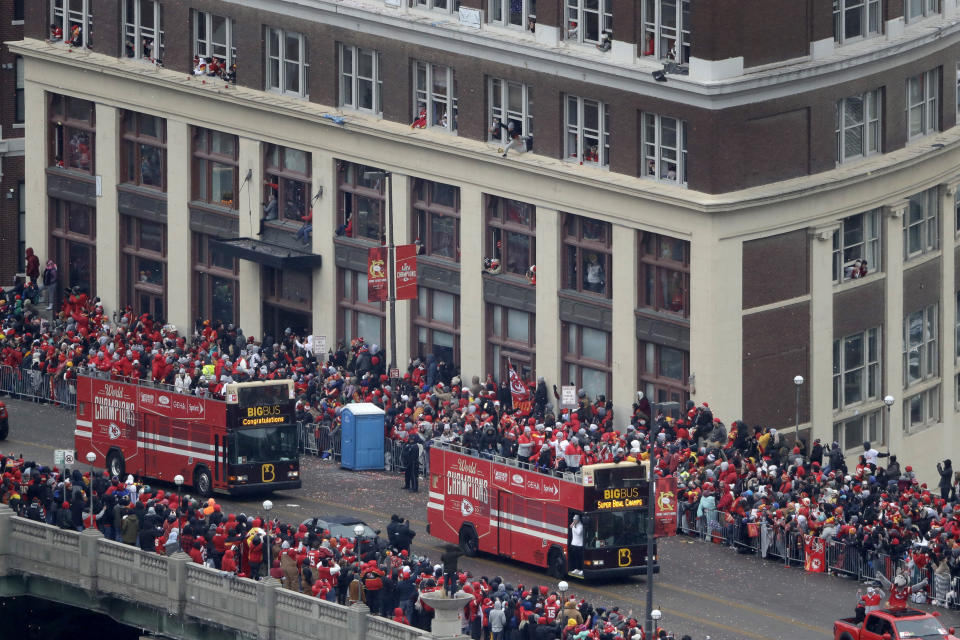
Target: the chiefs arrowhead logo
pixel 113 431
pixel 466 508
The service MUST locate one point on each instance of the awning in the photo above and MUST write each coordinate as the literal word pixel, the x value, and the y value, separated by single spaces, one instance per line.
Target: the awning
pixel 268 253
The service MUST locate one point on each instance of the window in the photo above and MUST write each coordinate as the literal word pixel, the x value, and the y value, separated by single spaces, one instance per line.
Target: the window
pixel 19 113
pixel 588 131
pixel 449 6
pixel 920 355
pixel 287 63
pixel 587 19
pixel 143 30
pixel 513 13
pixel 917 9
pixel 856 246
pixel 852 433
pixel 73 241
pixel 510 336
pixel 666 22
pixel 360 83
pixel 665 148
pixel 858 126
pixel 361 202
pixel 512 107
pixel 144 150
pixel 144 264
pixel 587 248
pixel 922 409
pixel 586 358
pixel 436 325
pixel 853 19
pixel 213 38
pixel 21 227
pixel 956 354
pixel 856 368
pixel 511 234
pixel 921 230
pixel 215 170
pixel 358 317
pixel 436 218
pixel 71 21
pixel 72 129
pixel 215 273
pixel 958 86
pixel 435 96
pixel 923 94
pixel 287 300
pixel 664 372
pixel 664 273
pixel 288 181
pixel 18 10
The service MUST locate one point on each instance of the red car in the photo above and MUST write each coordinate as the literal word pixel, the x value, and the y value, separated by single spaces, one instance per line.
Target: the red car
pixel 887 624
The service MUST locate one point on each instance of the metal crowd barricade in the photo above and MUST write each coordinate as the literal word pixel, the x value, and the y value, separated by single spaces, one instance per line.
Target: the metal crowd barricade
pixel 37 386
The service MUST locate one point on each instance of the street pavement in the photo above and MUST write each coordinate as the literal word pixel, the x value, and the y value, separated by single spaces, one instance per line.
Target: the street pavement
pixel 703 589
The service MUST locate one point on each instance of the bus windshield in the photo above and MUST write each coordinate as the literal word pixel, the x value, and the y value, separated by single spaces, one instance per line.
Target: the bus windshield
pixel 264 444
pixel 614 529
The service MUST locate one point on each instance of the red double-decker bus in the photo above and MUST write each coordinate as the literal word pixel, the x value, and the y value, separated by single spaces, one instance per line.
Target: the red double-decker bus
pixel 505 507
pixel 243 444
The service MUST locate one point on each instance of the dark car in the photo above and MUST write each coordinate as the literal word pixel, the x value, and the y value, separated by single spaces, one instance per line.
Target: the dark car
pixel 345 527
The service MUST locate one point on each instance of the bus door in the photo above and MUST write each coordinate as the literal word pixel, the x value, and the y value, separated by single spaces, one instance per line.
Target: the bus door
pixel 151 432
pixel 505 505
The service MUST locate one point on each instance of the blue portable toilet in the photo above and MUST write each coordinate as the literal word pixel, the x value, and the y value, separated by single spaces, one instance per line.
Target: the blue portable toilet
pixel 361 440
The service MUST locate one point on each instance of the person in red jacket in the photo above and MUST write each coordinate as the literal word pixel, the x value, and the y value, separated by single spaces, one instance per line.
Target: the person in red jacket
pixel 399 617
pixel 228 563
pixel 255 556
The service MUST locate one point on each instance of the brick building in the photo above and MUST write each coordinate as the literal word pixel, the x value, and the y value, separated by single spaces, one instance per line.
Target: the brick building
pixel 719 195
pixel 11 144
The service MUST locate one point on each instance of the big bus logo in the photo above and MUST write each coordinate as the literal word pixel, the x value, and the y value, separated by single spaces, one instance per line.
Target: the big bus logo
pixel 268 473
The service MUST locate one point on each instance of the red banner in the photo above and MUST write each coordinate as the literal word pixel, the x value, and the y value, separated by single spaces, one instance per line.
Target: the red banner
pixel 814 554
pixel 666 507
pixel 406 273
pixel 518 390
pixel 377 274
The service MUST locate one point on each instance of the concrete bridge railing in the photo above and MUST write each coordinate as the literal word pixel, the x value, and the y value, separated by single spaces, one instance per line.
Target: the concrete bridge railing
pixel 179 588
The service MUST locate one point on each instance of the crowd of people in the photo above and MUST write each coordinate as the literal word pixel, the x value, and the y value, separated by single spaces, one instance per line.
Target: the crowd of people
pixel 736 474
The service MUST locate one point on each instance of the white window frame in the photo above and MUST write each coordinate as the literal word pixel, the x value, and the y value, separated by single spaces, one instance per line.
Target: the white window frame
pixel 958 87
pixel 661 25
pixel 133 28
pixel 576 15
pixel 64 14
pixel 277 80
pixel 956 333
pixel 923 348
pixel 919 9
pixel 351 80
pixel 924 106
pixel 871 430
pixel 498 12
pixel 922 217
pixel 860 118
pixel 575 109
pixel 867 369
pixel 867 246
pixel 870 16
pixel 446 6
pixel 929 402
pixel 20 105
pixel 657 151
pixel 499 110
pixel 438 106
pixel 204 45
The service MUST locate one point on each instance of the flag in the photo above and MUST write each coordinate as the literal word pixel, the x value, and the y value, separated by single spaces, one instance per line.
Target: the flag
pixel 406 272
pixel 377 274
pixel 814 554
pixel 521 398
pixel 665 510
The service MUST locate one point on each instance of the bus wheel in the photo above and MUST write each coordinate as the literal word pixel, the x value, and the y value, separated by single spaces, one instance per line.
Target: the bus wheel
pixel 202 482
pixel 556 563
pixel 115 465
pixel 469 542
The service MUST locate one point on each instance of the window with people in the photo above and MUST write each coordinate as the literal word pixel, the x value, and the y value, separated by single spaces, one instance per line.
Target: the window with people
pixel 666 30
pixel 143 30
pixel 71 21
pixel 664 149
pixel 664 372
pixel 287 194
pixel 434 97
pixel 513 13
pixel 72 133
pixel 144 150
pixel 436 325
pixel 511 235
pixel 361 202
pixel 664 273
pixel 587 254
pixel 588 131
pixel 856 246
pixel 511 114
pixel 215 172
pixel 214 49
pixel 588 20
